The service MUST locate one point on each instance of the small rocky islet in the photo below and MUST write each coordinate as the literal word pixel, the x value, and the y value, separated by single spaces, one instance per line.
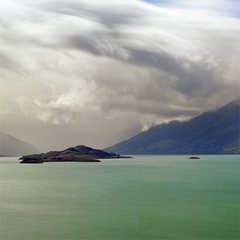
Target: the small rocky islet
pixel 194 158
pixel 79 153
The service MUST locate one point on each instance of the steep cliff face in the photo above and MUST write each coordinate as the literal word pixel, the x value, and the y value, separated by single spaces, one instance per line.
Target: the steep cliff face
pixel 10 145
pixel 215 132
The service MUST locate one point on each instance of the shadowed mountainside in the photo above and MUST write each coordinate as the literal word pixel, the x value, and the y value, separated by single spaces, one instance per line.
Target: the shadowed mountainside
pixel 215 132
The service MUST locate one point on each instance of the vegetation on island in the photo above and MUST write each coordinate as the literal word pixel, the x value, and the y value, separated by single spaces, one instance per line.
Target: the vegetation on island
pixel 79 153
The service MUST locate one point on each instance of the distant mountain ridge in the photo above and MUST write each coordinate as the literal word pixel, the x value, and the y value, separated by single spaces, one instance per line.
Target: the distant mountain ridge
pixel 215 132
pixel 10 145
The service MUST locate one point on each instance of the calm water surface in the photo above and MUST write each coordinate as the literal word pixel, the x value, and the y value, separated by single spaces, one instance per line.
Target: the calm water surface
pixel 147 197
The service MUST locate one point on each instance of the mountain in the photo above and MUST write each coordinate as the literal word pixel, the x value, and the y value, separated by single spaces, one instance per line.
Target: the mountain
pixel 79 153
pixel 215 132
pixel 10 145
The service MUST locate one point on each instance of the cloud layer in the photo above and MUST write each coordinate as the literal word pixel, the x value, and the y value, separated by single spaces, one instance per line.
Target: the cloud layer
pixel 124 63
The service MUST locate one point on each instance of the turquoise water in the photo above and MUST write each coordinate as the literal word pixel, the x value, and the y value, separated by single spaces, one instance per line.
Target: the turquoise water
pixel 147 197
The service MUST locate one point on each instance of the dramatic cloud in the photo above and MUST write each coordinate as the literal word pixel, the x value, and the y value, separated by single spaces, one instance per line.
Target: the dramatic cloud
pixel 88 71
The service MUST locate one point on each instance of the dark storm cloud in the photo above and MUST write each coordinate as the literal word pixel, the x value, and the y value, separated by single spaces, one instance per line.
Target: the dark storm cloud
pixel 199 79
pixel 84 44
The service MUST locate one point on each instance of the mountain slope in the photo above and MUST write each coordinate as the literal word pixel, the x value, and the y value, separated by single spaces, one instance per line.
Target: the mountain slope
pixel 10 145
pixel 215 132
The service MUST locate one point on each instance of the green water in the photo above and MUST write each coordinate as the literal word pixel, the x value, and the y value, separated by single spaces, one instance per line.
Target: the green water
pixel 147 197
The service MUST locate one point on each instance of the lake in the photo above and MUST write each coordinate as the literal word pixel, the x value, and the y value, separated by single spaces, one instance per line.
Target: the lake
pixel 146 197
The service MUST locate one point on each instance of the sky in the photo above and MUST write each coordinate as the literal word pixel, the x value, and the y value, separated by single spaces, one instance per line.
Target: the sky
pixel 100 71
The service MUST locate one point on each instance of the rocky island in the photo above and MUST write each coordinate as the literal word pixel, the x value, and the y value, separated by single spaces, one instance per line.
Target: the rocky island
pixel 79 153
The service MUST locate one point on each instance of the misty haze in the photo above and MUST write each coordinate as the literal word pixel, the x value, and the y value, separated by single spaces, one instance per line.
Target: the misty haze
pixel 99 72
